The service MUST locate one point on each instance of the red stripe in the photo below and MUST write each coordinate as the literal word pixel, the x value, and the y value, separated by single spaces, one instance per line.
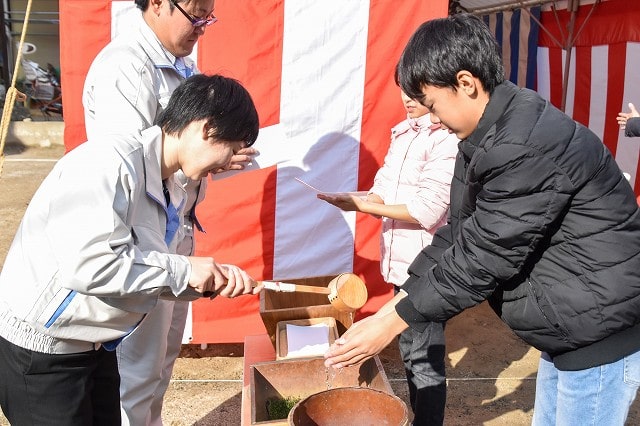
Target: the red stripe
pixel 246 44
pixel 619 18
pixel 555 76
pixel 615 91
pixel 239 216
pixel 85 28
pixel 239 212
pixel 582 99
pixel 382 109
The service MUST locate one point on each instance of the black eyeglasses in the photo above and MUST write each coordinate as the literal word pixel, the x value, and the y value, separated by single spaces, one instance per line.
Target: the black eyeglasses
pixel 196 22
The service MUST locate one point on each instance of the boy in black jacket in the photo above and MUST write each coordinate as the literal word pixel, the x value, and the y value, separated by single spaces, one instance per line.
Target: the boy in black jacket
pixel 543 224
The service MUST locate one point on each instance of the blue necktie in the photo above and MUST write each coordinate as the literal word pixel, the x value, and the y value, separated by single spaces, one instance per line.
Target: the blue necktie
pixel 182 68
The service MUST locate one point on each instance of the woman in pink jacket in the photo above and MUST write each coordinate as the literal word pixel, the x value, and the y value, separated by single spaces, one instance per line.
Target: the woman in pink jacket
pixel 411 195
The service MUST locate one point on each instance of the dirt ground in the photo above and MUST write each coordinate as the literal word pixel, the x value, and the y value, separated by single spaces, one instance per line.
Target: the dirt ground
pixel 491 373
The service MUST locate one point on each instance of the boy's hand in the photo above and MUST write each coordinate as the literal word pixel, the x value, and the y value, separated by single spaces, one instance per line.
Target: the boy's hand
pixel 367 337
pixel 363 340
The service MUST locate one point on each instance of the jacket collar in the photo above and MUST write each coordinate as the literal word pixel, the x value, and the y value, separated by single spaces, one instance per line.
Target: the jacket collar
pixel 152 146
pixel 420 124
pixel 497 105
pixel 159 55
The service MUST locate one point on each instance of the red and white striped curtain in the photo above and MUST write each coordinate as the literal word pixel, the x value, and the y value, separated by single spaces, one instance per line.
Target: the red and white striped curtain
pixel 321 74
pixel 604 66
pixel 604 73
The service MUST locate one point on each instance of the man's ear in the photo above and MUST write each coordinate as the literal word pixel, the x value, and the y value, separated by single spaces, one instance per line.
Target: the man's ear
pixel 155 5
pixel 207 131
pixel 468 84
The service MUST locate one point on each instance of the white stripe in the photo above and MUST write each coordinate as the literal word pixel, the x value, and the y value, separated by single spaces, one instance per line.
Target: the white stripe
pixel 571 82
pixel 543 84
pixel 629 148
pixel 599 83
pixel 187 335
pixel 324 56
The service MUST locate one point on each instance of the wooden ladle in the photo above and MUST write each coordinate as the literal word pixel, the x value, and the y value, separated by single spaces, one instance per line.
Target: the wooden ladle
pixel 346 292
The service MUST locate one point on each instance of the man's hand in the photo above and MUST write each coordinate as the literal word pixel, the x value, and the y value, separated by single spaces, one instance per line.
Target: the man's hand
pixel 206 275
pixel 239 160
pixel 238 283
pixel 210 279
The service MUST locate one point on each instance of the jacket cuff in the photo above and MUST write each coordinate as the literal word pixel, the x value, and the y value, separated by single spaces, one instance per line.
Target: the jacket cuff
pixel 410 282
pixel 181 272
pixel 410 315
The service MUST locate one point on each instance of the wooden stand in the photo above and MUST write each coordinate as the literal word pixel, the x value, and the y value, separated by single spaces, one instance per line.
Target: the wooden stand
pixel 283 306
pixel 282 339
pixel 265 378
pixel 256 349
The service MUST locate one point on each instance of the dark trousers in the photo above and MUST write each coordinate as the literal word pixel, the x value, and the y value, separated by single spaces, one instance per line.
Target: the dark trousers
pixel 78 389
pixel 423 357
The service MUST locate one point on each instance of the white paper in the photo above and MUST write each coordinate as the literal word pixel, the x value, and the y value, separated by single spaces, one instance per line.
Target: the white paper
pixel 307 340
pixel 361 194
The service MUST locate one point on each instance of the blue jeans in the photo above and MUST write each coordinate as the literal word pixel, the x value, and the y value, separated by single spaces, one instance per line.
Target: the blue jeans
pixel 596 396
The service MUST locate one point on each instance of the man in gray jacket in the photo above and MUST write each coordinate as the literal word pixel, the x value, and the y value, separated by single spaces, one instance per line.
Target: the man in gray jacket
pixel 126 89
pixel 543 225
pixel 96 249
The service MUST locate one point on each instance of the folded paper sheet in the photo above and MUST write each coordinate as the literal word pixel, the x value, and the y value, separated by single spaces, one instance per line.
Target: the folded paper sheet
pixel 361 194
pixel 307 340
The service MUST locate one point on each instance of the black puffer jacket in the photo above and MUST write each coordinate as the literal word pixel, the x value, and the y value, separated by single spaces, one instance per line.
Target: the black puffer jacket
pixel 632 129
pixel 545 226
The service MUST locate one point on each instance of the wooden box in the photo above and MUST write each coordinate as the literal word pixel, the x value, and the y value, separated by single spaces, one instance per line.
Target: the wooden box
pixel 282 340
pixel 285 306
pixel 300 378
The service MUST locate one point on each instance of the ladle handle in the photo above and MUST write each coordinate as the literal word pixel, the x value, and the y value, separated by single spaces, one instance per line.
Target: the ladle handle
pixel 285 288
pixel 288 287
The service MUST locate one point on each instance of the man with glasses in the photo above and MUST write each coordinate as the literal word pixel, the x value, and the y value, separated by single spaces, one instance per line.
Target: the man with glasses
pixel 128 85
pixel 195 21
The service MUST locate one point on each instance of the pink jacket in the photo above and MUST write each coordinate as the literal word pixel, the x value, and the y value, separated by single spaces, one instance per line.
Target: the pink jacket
pixel 417 171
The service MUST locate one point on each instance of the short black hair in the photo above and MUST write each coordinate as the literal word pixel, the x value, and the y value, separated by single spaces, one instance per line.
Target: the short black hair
pixel 440 48
pixel 142 4
pixel 222 101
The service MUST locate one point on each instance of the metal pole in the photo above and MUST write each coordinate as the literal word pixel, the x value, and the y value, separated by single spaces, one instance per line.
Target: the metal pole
pixel 510 5
pixel 6 76
pixel 572 5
